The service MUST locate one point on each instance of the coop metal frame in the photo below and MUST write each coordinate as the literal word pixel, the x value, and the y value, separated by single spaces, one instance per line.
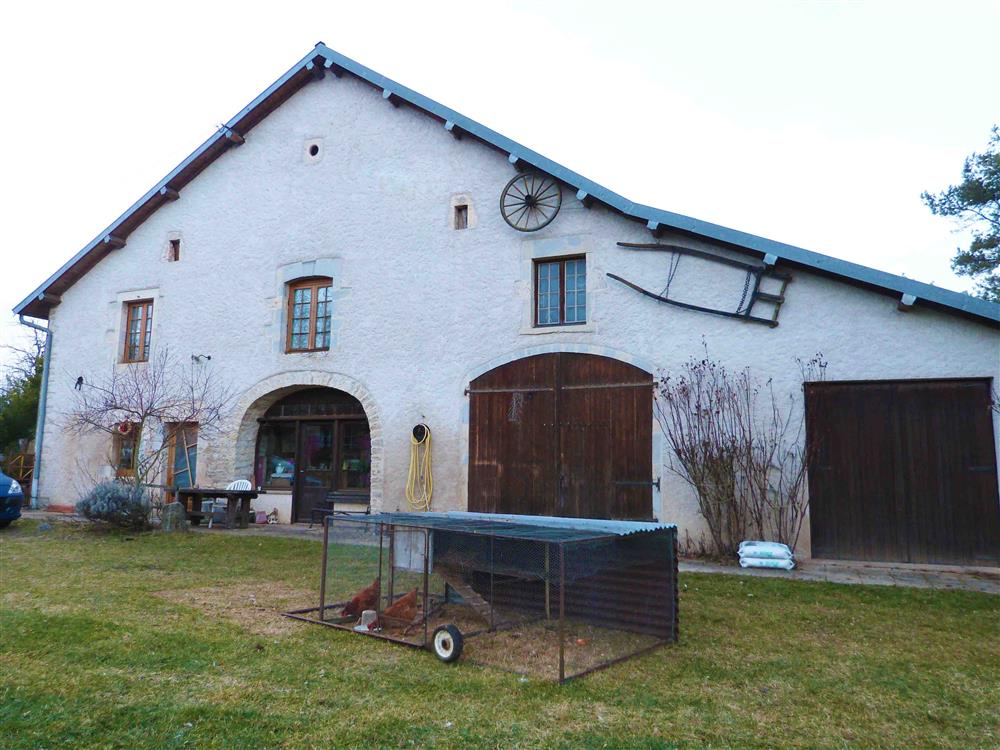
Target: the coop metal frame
pixel 562 534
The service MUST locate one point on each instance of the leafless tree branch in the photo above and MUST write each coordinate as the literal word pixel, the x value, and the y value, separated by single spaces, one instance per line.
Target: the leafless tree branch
pixel 151 397
pixel 23 359
pixel 740 448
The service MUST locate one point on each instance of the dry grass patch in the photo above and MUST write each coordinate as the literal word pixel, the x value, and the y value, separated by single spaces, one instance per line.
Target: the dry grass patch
pixel 255 607
pixel 526 644
pixel 533 648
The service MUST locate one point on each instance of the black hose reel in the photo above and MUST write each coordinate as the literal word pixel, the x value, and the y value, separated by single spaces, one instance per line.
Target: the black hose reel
pixel 420 433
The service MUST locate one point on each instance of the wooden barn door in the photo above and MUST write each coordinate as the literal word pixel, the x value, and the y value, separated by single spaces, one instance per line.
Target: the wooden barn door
pixel 562 435
pixel 903 471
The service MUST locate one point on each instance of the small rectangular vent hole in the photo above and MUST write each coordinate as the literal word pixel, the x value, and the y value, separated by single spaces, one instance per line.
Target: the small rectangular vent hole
pixel 174 253
pixel 461 217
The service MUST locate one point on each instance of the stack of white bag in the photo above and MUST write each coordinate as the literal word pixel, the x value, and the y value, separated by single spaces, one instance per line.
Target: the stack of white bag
pixel 766 555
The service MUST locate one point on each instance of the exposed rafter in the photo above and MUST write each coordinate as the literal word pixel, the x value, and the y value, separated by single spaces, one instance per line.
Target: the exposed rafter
pixel 390 97
pixel 317 71
pixel 331 66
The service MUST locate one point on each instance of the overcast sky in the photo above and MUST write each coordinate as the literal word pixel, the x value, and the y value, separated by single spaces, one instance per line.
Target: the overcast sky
pixel 813 123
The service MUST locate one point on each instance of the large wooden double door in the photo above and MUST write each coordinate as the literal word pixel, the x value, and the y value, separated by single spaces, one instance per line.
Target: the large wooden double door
pixel 562 434
pixel 903 471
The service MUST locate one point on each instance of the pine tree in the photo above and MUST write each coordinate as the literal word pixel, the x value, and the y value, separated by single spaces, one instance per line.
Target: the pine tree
pixel 975 205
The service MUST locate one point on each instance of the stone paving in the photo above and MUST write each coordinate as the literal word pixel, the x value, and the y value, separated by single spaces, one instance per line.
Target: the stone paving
pixel 986 580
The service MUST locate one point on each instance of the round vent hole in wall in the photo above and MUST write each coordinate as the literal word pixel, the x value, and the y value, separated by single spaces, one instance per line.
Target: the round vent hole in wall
pixel 313 150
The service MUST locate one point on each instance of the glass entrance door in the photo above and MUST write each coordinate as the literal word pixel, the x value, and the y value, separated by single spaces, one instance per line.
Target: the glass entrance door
pixel 317 473
pixel 354 458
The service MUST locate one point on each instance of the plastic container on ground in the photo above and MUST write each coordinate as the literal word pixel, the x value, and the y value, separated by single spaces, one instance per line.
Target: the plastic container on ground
pixel 771 550
pixel 766 562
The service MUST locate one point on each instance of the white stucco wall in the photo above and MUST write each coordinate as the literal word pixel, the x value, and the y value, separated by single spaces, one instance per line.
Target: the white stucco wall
pixel 421 308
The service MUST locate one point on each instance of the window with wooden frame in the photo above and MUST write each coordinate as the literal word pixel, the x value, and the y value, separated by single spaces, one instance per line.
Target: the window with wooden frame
pixel 123 452
pixel 182 455
pixel 138 330
pixel 310 308
pixel 561 291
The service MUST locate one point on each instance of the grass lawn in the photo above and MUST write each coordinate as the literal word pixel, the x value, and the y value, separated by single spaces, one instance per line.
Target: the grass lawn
pixel 149 641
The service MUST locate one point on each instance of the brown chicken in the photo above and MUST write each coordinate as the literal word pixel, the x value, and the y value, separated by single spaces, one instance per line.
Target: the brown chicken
pixel 404 608
pixel 367 598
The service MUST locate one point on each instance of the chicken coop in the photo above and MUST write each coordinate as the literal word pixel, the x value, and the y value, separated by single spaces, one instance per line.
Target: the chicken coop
pixel 555 598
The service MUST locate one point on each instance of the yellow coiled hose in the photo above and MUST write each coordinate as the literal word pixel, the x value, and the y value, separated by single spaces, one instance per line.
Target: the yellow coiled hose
pixel 420 481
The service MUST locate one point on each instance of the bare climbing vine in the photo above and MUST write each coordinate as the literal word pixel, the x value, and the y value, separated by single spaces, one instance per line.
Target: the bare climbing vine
pixel 740 447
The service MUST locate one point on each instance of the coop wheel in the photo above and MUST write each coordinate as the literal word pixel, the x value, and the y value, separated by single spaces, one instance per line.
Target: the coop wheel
pixel 447 643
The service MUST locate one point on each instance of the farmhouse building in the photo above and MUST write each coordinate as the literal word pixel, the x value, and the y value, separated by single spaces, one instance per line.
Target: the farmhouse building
pixel 357 259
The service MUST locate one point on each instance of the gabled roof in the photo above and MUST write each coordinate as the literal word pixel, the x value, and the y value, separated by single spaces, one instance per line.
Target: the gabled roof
pixel 322 60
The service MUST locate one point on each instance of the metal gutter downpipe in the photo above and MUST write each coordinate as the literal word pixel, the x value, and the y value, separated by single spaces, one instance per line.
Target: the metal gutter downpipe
pixel 42 397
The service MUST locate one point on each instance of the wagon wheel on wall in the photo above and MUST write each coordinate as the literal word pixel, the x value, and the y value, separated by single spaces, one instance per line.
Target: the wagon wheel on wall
pixel 530 201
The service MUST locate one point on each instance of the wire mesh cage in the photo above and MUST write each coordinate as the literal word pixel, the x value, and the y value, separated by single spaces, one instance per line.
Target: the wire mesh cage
pixel 554 598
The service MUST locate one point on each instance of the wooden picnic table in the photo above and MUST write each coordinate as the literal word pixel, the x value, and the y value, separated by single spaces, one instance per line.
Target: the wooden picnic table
pixel 192 497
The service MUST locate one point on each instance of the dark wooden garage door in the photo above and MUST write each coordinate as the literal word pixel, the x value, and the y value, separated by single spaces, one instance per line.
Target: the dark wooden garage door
pixel 903 471
pixel 562 435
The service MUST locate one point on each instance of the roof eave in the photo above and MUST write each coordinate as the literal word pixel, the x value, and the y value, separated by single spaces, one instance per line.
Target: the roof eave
pixel 827 265
pixel 864 276
pixel 35 304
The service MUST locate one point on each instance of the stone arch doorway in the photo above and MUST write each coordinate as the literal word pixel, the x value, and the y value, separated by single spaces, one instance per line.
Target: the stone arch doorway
pixel 562 434
pixel 315 444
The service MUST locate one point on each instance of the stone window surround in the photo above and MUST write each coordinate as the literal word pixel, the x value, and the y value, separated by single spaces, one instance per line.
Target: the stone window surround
pixel 533 250
pixel 462 199
pixel 173 235
pixel 331 268
pixel 120 313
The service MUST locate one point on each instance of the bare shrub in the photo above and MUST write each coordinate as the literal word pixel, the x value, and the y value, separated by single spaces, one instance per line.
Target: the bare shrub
pixel 149 397
pixel 697 412
pixel 689 547
pixel 740 448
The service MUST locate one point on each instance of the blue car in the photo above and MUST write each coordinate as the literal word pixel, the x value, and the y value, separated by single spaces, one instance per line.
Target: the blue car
pixel 11 500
